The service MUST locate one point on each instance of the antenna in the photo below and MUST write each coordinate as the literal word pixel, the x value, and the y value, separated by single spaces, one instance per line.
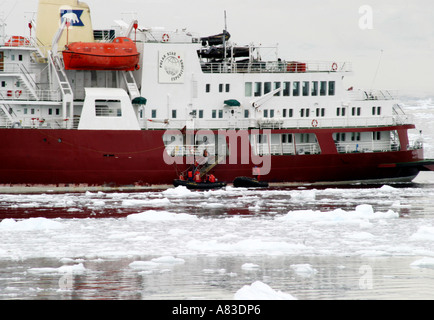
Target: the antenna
pixel 376 72
pixel 224 39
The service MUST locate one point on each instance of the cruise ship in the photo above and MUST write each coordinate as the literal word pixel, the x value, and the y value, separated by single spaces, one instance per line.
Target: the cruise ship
pixel 136 106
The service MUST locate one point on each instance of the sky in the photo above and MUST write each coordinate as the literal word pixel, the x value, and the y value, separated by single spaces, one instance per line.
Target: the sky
pixel 390 43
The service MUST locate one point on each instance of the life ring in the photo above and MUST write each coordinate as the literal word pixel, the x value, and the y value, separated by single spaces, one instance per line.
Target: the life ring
pixel 18 93
pixel 334 66
pixel 166 37
pixel 314 123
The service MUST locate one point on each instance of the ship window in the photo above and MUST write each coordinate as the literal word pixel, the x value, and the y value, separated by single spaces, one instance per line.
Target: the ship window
pixel 57 111
pixel 305 88
pixel 314 88
pixel 355 136
pixel 290 113
pixel 286 88
pixel 221 114
pixel 228 87
pixel 376 111
pixel 277 86
pixel 108 108
pixel 174 114
pixel 272 113
pixel 258 89
pixel 248 89
pixel 200 113
pixel 12 57
pixel 323 88
pixel 302 113
pixel 207 87
pixel 214 114
pixel 221 87
pixel 265 113
pixel 153 113
pixel 340 112
pixel 331 88
pixel 246 113
pixel 296 89
pixel 50 111
pixel 3 84
pixel 267 87
pixel 20 57
pixel 284 113
pixel 376 135
pixel 287 138
pixel 25 110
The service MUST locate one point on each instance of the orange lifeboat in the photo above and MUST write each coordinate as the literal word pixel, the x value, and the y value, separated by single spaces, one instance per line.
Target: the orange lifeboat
pixel 121 54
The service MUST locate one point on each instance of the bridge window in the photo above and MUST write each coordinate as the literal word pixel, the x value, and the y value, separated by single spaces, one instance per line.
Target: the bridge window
pixel 248 89
pixel 286 89
pixel 331 88
pixel 323 88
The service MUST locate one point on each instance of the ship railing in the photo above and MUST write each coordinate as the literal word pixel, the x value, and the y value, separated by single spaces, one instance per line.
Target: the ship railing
pixel 286 148
pixel 318 122
pixel 366 147
pixel 175 150
pixel 21 94
pixel 275 67
pixel 280 123
pixel 34 122
pixel 365 95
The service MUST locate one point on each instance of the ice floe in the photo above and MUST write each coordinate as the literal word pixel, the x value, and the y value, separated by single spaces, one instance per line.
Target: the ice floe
pixel 261 291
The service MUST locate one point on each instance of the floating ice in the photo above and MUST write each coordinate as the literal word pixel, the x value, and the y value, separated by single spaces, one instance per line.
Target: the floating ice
pixel 168 260
pixel 261 291
pixel 156 262
pixel 149 202
pixel 303 270
pixel 423 263
pixel 157 216
pixel 362 212
pixel 179 192
pixel 424 233
pixel 74 269
pixel 31 224
pixel 250 266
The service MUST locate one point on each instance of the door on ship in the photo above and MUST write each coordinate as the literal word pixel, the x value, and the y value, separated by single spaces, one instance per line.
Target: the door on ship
pixel 2 66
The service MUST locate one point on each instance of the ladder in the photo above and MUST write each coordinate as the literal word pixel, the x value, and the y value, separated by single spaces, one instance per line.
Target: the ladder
pixel 28 82
pixel 58 69
pixel 205 170
pixel 131 83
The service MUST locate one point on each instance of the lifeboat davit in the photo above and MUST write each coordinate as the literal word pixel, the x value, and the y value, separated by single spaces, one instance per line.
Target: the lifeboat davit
pixel 121 54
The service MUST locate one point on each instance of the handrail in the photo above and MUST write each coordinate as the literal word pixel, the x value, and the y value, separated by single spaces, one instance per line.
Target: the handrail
pixel 275 67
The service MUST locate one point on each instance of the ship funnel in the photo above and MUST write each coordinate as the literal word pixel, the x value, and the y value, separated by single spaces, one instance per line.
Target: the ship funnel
pixel 51 14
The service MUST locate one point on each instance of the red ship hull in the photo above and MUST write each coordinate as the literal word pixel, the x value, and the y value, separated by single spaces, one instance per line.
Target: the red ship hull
pixel 121 158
